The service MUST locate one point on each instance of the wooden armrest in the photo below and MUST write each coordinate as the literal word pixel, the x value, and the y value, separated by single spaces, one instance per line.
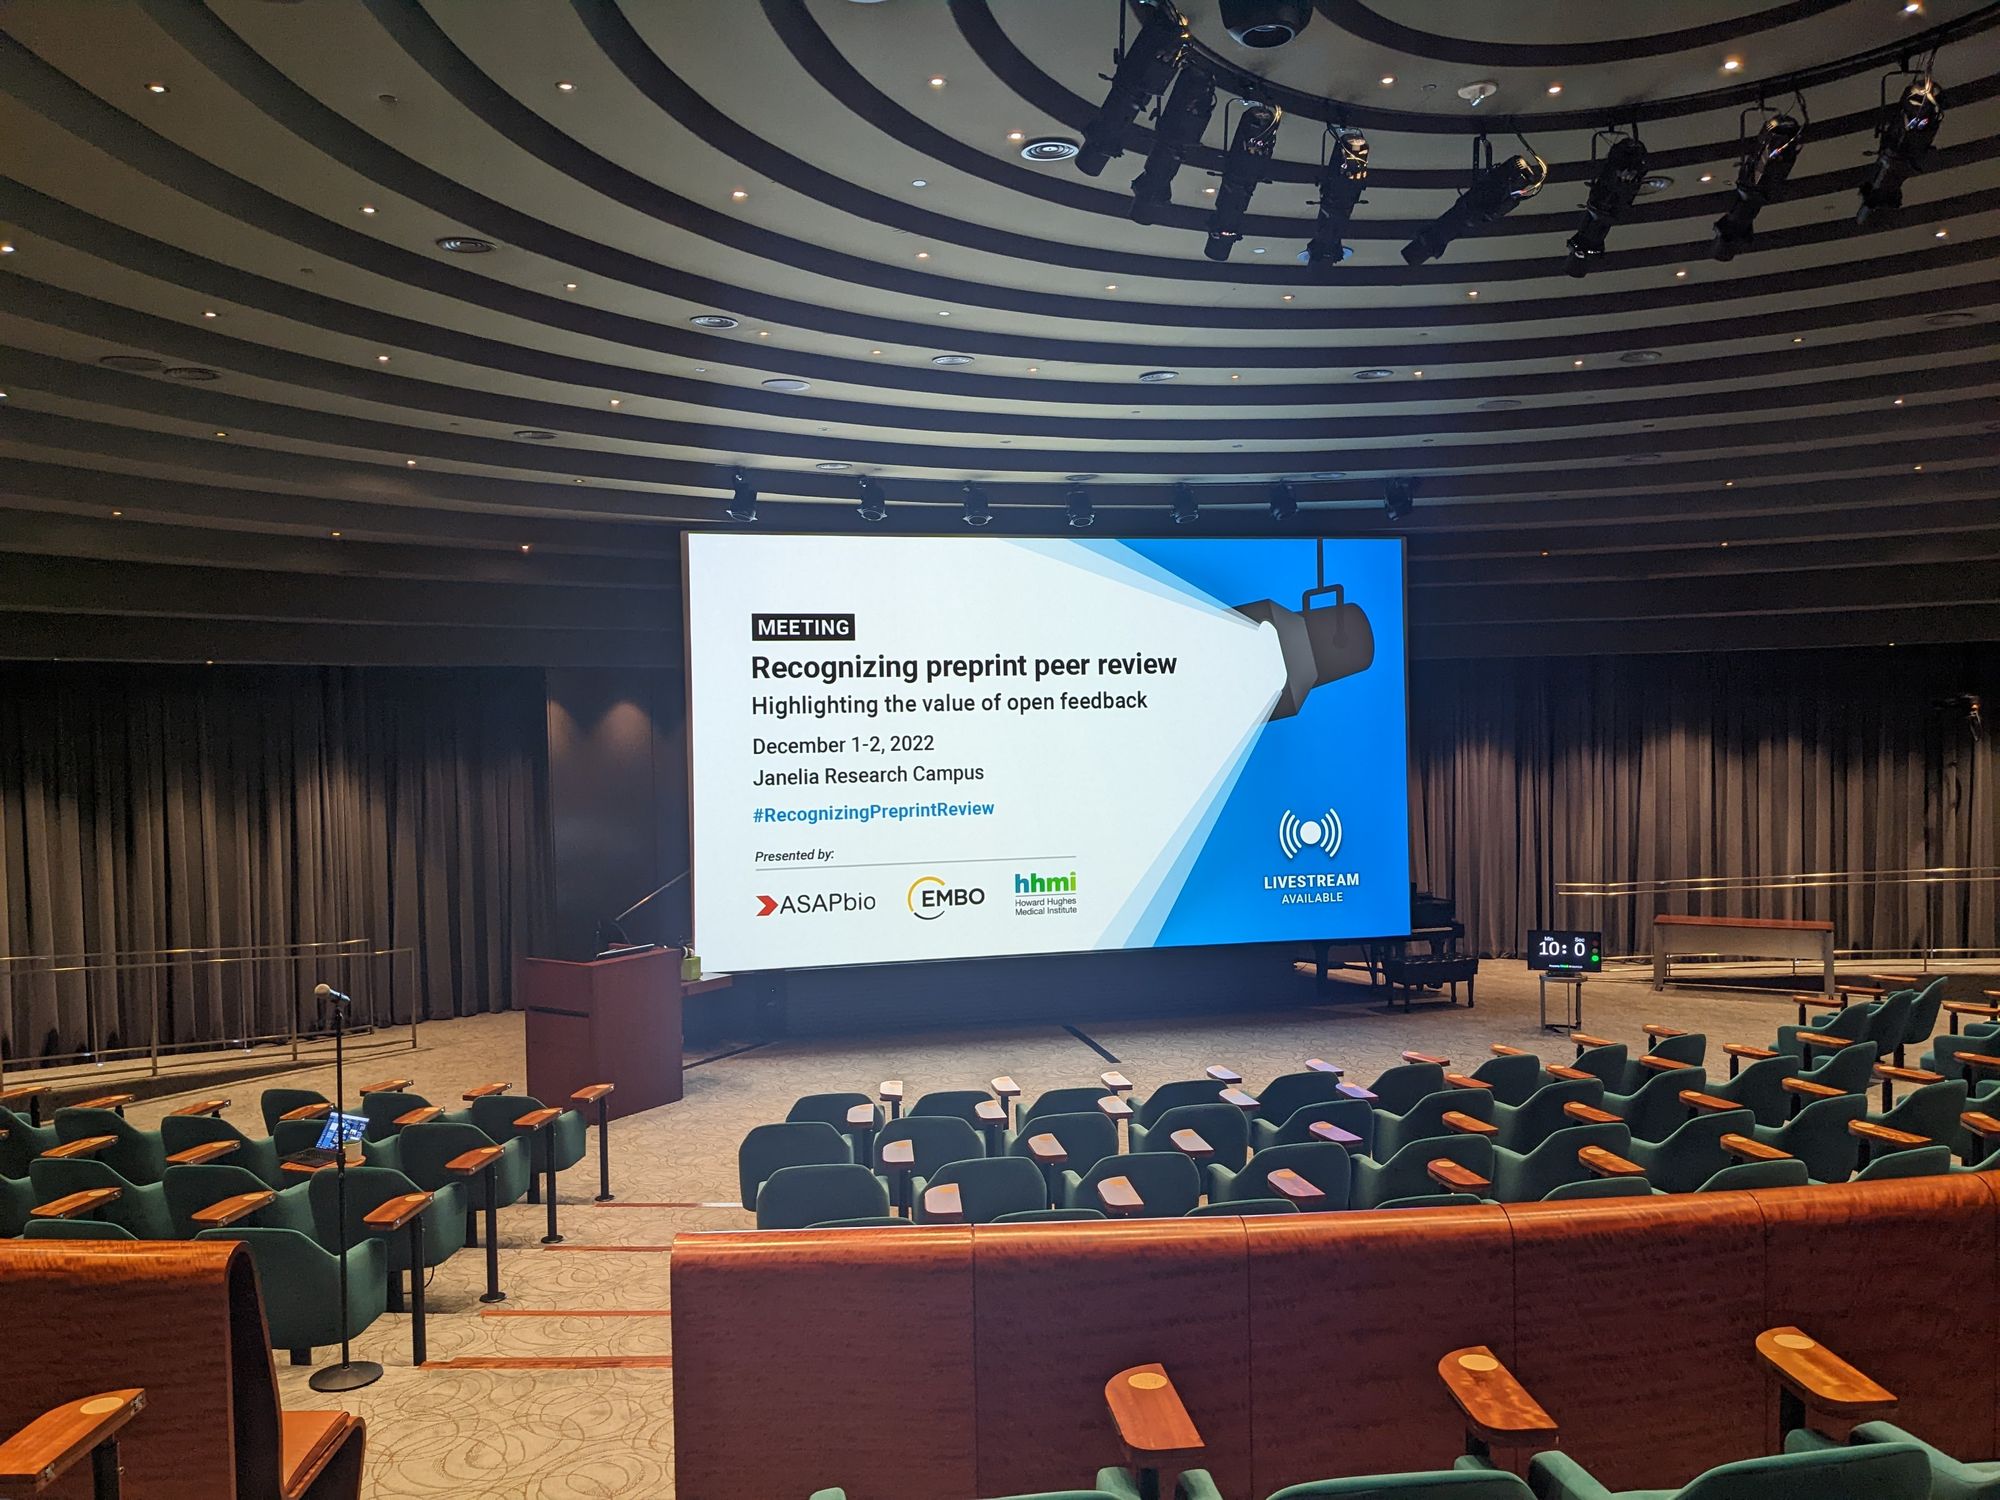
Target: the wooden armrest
pixel 1817 1039
pixel 421 1116
pixel 39 1454
pixel 1357 1092
pixel 1819 1001
pixel 394 1213
pixel 1661 1064
pixel 1819 1377
pixel 1448 1173
pixel 1243 1101
pixel 1899 979
pixel 209 1107
pixel 105 1101
pixel 485 1091
pixel 535 1119
pixel 1708 1104
pixel 1655 1028
pixel 1501 1049
pixel 207 1151
pixel 1584 1039
pixel 1745 1050
pixel 478 1159
pixel 1466 1081
pixel 90 1145
pixel 1152 1423
pixel 1289 1184
pixel 990 1112
pixel 1810 1089
pixel 1590 1114
pixel 1223 1075
pixel 1980 1123
pixel 387 1086
pixel 1427 1057
pixel 1047 1149
pixel 1608 1163
pixel 1118 1083
pixel 1497 1408
pixel 19 1093
pixel 900 1156
pixel 1886 1135
pixel 1323 1130
pixel 944 1203
pixel 1991 994
pixel 1973 1008
pixel 862 1117
pixel 227 1211
pixel 891 1091
pixel 590 1093
pixel 75 1205
pixel 1978 1060
pixel 1748 1148
pixel 1321 1065
pixel 1115 1106
pixel 1907 1075
pixel 1872 991
pixel 1119 1196
pixel 1558 1070
pixel 307 1112
pixel 1006 1088
pixel 1465 1124
pixel 1191 1143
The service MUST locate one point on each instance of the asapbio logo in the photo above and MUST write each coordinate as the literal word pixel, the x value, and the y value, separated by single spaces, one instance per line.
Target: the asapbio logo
pixel 813 906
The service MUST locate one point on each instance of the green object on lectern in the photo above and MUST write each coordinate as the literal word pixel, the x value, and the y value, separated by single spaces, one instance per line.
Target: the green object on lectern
pixel 690 966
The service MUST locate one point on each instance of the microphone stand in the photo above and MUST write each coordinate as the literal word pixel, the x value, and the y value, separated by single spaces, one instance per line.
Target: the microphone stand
pixel 350 1374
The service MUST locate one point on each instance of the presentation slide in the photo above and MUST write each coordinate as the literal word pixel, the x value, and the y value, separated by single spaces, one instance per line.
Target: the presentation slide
pixel 909 748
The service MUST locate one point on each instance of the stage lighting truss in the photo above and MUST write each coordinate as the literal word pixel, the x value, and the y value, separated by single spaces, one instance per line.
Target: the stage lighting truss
pixel 1181 122
pixel 1250 148
pixel 1768 158
pixel 1904 138
pixel 1612 193
pixel 1320 645
pixel 1494 193
pixel 1140 72
pixel 1343 175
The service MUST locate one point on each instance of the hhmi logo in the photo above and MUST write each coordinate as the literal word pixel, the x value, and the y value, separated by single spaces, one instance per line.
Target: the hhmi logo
pixel 1038 895
pixel 1314 833
pixel 1038 885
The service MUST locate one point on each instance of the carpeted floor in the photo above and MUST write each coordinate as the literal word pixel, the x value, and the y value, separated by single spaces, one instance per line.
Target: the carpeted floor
pixel 564 1392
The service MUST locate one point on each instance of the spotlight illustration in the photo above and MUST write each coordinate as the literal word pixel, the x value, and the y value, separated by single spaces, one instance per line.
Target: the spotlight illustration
pixel 1320 645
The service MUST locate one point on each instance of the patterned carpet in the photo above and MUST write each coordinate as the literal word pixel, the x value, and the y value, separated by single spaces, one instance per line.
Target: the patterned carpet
pixel 525 1427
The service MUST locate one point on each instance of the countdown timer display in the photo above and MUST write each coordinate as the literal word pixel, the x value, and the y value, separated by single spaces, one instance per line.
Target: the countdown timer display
pixel 1566 952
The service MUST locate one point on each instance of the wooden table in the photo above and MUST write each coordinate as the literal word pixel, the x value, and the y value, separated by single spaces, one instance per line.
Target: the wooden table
pixel 1742 937
pixel 393 1214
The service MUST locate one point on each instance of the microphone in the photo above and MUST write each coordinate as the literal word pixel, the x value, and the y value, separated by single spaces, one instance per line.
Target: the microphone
pixel 328 992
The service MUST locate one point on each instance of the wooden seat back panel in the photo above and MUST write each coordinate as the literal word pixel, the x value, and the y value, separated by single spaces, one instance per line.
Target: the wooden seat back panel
pixel 1343 1363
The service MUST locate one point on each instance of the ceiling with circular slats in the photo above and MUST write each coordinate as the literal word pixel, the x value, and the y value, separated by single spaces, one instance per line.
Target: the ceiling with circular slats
pixel 255 410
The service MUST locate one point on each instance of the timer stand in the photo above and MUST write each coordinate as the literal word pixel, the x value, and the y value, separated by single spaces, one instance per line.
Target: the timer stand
pixel 1571 1004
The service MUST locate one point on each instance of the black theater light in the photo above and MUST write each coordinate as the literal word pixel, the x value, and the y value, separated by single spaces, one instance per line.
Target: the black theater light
pixel 743 502
pixel 1767 161
pixel 1179 126
pixel 1494 193
pixel 1341 181
pixel 1399 496
pixel 1145 68
pixel 1284 504
pixel 1242 169
pixel 1904 139
pixel 873 506
pixel 1619 178
pixel 1081 512
pixel 978 510
pixel 1187 509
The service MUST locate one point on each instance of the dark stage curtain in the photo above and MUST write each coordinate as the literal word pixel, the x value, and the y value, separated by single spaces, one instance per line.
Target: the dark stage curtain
pixel 1529 773
pixel 145 809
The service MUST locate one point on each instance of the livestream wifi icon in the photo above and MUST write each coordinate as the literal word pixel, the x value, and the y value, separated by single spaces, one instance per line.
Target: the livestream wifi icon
pixel 1314 833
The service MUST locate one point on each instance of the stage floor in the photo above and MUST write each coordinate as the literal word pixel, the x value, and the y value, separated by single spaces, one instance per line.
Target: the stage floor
pixel 505 1409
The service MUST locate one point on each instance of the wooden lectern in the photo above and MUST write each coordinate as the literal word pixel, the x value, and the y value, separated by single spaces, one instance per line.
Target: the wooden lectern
pixel 610 1020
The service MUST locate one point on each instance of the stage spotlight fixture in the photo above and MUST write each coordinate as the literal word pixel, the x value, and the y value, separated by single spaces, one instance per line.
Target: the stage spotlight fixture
pixel 1264 24
pixel 1619 178
pixel 1320 645
pixel 1187 509
pixel 1399 496
pixel 873 506
pixel 1341 181
pixel 1146 67
pixel 1179 126
pixel 1242 169
pixel 978 511
pixel 1284 504
pixel 1081 512
pixel 1494 192
pixel 743 503
pixel 1760 179
pixel 1904 139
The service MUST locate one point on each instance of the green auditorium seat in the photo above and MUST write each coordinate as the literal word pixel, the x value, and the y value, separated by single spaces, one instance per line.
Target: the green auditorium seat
pixel 989 1186
pixel 1172 1096
pixel 1288 1093
pixel 1424 1120
pixel 1693 1153
pixel 1398 1089
pixel 1086 1138
pixel 1223 1126
pixel 275 1104
pixel 1918 1161
pixel 383 1108
pixel 21 1142
pixel 1850 1069
pixel 191 1189
pixel 1943 1054
pixel 136 1155
pixel 1122 1492
pixel 1407 1173
pixel 426 1151
pixel 1525 1126
pixel 1949 1478
pixel 258 1154
pixel 961 1104
pixel 1606 1063
pixel 140 1207
pixel 1818 1136
pixel 1760 1088
pixel 1926 1002
pixel 934 1141
pixel 1529 1177
pixel 866 1221
pixel 368 1188
pixel 1242 1208
pixel 1434 1200
pixel 1442 1484
pixel 1355 1116
pixel 1654 1110
pixel 1690 1047
pixel 1930 1110
pixel 804 1143
pixel 300 1280
pixel 17 1196
pixel 1513 1077
pixel 1850 1024
pixel 833 1109
pixel 1744 1175
pixel 74 1229
pixel 1325 1165
pixel 797 1197
pixel 1886 1471
pixel 1168 1183
pixel 1600 1187
pixel 496 1113
pixel 1052 1216
pixel 1063 1101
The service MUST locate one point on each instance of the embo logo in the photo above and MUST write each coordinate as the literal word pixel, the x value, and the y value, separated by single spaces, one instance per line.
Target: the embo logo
pixel 1314 833
pixel 930 898
pixel 1045 885
pixel 813 906
pixel 802 627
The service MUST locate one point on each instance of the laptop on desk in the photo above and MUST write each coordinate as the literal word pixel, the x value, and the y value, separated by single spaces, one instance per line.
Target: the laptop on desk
pixel 339 1132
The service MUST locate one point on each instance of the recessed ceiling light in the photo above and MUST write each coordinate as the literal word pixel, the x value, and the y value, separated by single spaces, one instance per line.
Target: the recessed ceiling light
pixel 333 534
pixel 787 383
pixel 1499 403
pixel 1258 250
pixel 1640 357
pixel 833 467
pixel 1159 377
pixel 135 364
pixel 1798 338
pixel 1732 65
pixel 1473 293
pixel 1287 297
pixel 616 402
pixel 1034 369
pixel 566 87
pixel 189 372
pixel 1577 363
pixel 1708 177
pixel 1208 192
pixel 712 320
pixel 951 359
pixel 368 208
pixel 937 82
pixel 1419 374
pixel 535 434
pixel 156 88
pixel 920 182
pixel 1555 88
pixel 1650 186
pixel 465 244
pixel 409 463
pixel 1678 275
pixel 1111 286
pixel 1917 468
pixel 763 333
pixel 381 359
pixel 1236 377
pixel 1050 148
pixel 738 194
pixel 1388 80
pixel 1015 135
pixel 1943 234
pixel 1897 402
pixel 220 433
pixel 210 313
pixel 116 514
pixel 6 247
pixel 1913 7
pixel 569 286
pixel 923 255
pixel 1375 374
